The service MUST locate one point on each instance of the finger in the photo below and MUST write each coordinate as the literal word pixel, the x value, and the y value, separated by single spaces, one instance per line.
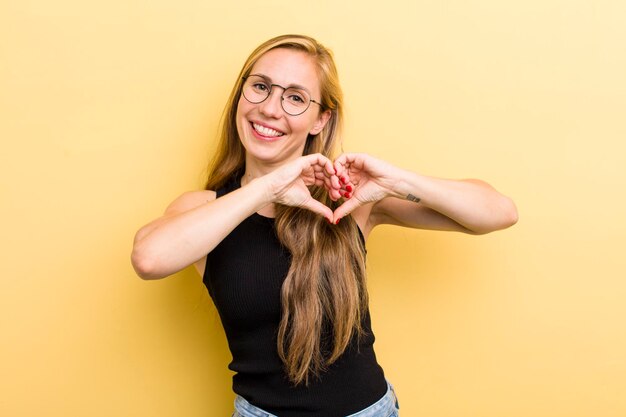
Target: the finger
pixel 339 166
pixel 344 160
pixel 320 175
pixel 322 170
pixel 334 189
pixel 348 189
pixel 344 178
pixel 343 174
pixel 319 208
pixel 346 208
pixel 343 185
pixel 321 161
pixel 323 174
pixel 334 194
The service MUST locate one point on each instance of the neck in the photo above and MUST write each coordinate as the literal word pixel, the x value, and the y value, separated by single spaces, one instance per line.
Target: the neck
pixel 257 169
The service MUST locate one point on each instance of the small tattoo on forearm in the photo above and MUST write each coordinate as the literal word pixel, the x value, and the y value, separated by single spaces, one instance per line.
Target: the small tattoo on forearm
pixel 412 198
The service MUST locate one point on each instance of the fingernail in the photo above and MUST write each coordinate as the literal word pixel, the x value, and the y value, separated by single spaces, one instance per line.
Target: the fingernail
pixel 342 179
pixel 348 188
pixel 348 195
pixel 337 221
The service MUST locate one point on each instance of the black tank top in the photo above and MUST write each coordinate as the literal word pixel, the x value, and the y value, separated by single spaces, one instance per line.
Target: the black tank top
pixel 244 275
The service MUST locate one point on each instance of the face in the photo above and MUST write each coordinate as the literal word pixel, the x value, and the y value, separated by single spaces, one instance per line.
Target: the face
pixel 270 135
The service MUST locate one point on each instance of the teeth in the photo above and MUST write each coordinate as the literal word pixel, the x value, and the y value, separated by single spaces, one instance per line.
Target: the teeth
pixel 266 131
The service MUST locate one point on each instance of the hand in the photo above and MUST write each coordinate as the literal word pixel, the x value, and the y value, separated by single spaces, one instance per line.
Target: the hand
pixel 288 184
pixel 364 179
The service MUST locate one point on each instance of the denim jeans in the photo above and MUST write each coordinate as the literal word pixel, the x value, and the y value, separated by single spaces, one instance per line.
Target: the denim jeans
pixel 385 407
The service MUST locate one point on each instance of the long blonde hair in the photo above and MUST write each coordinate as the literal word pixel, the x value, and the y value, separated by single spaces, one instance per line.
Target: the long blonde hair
pixel 325 289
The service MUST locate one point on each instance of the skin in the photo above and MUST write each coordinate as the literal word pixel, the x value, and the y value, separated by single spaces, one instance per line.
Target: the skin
pixel 373 191
pixel 265 154
pixel 283 67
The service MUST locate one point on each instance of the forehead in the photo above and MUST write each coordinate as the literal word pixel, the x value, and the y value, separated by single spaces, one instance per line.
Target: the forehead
pixel 289 67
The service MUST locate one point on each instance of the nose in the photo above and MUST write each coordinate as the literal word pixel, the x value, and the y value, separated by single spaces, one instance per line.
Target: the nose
pixel 272 106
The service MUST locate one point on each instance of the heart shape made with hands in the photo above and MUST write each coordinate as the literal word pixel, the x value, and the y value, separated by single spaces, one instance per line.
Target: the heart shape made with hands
pixel 298 194
pixel 356 178
pixel 348 177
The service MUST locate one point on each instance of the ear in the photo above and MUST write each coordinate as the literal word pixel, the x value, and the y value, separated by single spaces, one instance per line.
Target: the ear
pixel 321 121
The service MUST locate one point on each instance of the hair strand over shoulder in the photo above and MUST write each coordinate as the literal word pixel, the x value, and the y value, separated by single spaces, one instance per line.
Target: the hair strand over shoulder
pixel 324 295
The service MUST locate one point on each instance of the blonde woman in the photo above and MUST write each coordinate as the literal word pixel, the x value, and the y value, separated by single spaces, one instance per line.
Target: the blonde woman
pixel 279 233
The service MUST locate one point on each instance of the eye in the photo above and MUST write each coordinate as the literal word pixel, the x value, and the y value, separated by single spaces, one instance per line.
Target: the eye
pixel 295 97
pixel 260 87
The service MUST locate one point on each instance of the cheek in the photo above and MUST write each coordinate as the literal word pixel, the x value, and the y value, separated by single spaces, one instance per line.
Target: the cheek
pixel 240 108
pixel 303 126
pixel 240 116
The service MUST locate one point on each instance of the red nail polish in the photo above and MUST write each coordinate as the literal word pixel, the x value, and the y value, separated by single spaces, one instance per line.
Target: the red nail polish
pixel 348 195
pixel 337 221
pixel 349 188
pixel 342 179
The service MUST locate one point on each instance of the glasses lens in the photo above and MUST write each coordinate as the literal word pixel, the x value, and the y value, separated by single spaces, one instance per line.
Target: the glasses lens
pixel 295 101
pixel 256 89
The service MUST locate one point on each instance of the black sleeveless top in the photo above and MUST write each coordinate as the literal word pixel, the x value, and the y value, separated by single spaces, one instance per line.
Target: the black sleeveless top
pixel 244 275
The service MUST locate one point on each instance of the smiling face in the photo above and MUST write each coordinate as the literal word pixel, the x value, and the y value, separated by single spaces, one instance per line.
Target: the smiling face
pixel 269 135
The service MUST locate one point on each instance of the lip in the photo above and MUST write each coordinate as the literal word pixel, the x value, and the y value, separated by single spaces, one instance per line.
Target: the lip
pixel 263 137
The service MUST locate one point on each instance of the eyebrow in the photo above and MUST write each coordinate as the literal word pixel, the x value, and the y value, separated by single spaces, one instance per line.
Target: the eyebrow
pixel 269 79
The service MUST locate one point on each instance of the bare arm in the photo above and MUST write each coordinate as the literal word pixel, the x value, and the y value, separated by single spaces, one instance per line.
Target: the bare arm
pixel 185 235
pixel 402 197
pixel 196 222
pixel 469 206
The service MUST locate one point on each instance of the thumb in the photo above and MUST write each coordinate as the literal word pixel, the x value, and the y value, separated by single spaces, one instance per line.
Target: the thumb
pixel 346 208
pixel 319 208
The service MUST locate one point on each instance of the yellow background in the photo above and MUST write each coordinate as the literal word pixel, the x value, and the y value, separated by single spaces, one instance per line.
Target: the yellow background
pixel 109 110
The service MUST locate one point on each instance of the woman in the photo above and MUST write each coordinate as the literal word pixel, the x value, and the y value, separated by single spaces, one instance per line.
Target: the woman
pixel 278 236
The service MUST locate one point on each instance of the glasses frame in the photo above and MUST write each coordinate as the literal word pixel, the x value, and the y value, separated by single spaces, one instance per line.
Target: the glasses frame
pixel 269 93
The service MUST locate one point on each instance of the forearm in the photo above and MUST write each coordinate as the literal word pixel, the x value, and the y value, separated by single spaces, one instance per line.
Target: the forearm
pixel 473 204
pixel 173 242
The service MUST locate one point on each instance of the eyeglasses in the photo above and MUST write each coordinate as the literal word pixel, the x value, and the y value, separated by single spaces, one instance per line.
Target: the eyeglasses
pixel 294 100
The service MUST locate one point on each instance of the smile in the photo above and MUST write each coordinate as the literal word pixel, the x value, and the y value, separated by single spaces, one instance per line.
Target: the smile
pixel 266 131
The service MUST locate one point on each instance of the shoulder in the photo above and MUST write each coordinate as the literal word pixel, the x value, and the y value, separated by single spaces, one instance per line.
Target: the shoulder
pixel 190 200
